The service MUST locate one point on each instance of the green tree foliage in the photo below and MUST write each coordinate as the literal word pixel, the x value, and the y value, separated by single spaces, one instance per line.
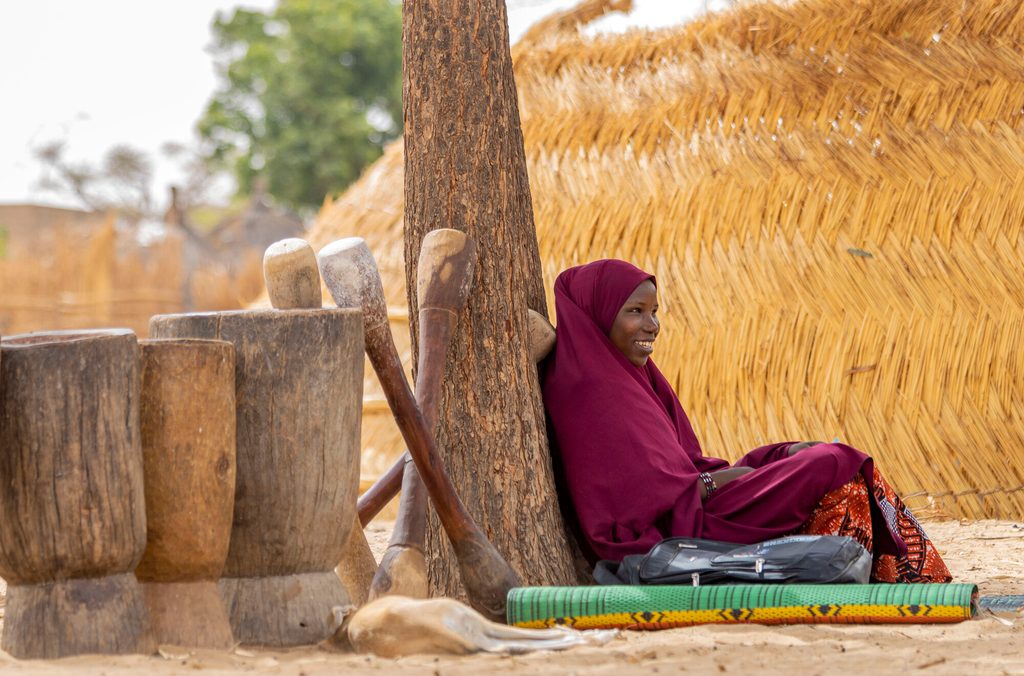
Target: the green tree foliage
pixel 310 93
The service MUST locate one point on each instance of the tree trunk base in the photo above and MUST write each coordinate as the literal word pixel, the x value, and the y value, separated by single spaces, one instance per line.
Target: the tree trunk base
pixel 189 614
pixel 103 615
pixel 284 610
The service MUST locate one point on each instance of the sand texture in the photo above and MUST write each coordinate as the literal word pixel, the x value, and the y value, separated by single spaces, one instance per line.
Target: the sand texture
pixel 988 553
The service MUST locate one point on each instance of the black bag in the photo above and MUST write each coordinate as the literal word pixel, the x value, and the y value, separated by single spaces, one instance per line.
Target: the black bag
pixel 807 559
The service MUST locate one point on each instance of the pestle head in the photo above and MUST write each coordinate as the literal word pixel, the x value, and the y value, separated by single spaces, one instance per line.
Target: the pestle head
pixel 291 275
pixel 542 335
pixel 444 274
pixel 351 275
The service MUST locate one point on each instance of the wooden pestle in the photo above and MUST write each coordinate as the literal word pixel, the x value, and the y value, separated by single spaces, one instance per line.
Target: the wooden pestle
pixel 351 275
pixel 291 275
pixel 541 341
pixel 444 277
pixel 293 281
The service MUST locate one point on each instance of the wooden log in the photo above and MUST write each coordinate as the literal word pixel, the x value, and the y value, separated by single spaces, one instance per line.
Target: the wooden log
pixel 188 449
pixel 298 388
pixel 71 498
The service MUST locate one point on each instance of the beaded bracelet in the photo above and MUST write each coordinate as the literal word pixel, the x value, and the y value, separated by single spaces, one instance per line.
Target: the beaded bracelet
pixel 709 484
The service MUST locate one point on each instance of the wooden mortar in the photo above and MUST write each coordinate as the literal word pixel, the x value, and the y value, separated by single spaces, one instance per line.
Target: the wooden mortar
pixel 188 449
pixel 71 495
pixel 298 396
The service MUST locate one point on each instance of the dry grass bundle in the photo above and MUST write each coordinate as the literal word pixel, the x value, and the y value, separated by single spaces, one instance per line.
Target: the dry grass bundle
pixel 830 194
pixel 812 26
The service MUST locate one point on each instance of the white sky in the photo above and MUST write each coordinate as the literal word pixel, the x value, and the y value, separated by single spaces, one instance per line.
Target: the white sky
pixel 104 72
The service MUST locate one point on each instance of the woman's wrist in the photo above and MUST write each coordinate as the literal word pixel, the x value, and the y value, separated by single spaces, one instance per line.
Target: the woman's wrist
pixel 709 484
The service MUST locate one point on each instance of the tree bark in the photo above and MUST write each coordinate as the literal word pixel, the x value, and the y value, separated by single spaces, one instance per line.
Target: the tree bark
pixel 465 168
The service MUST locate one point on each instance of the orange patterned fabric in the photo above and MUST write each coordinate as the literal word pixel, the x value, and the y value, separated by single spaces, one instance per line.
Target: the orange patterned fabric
pixel 847 511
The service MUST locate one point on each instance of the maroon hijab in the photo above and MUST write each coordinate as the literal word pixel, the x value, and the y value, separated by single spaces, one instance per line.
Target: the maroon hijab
pixel 629 455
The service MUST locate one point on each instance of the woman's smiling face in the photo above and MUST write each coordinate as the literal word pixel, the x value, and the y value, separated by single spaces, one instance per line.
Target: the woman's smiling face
pixel 636 325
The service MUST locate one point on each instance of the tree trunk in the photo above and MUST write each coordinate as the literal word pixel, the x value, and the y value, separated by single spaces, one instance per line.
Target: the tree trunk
pixel 465 168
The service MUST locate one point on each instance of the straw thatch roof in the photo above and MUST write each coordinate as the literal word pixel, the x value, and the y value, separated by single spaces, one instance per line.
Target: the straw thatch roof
pixel 831 194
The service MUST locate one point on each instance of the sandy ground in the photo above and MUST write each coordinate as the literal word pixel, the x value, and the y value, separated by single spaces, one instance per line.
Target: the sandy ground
pixel 988 553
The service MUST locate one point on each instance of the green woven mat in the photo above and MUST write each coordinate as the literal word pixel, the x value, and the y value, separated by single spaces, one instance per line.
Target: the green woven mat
pixel 657 607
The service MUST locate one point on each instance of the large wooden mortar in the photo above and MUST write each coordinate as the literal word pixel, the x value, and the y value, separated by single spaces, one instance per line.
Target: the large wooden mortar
pixel 298 394
pixel 188 449
pixel 71 494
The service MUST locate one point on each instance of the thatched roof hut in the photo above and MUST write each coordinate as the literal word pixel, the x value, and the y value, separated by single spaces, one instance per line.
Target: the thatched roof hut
pixel 257 225
pixel 832 196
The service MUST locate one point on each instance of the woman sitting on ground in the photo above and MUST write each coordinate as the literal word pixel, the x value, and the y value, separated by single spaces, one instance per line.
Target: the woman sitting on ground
pixel 634 468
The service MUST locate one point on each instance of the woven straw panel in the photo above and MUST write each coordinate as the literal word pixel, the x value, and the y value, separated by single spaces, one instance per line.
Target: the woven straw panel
pixel 830 194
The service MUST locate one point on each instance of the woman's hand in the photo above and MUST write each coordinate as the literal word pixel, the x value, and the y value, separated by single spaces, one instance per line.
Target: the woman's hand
pixel 724 476
pixel 794 448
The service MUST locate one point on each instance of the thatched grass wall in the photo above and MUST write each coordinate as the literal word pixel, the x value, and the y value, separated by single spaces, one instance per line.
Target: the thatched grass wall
pixel 64 276
pixel 831 194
